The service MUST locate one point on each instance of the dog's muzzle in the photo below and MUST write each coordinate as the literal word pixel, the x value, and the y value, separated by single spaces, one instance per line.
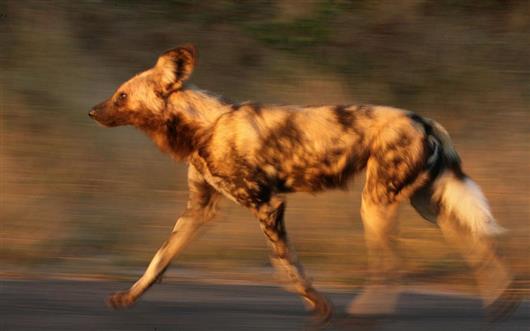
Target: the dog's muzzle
pixel 92 113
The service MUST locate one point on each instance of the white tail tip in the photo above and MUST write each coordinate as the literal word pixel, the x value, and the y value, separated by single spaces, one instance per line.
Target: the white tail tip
pixel 464 199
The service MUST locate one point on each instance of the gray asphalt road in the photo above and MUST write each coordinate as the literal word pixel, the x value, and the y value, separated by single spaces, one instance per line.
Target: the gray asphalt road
pixel 79 305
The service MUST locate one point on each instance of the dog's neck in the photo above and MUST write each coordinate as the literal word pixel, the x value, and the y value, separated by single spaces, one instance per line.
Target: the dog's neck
pixel 198 106
pixel 185 122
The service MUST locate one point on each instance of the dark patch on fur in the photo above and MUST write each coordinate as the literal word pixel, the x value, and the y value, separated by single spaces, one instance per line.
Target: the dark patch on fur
pixel 253 106
pixel 344 117
pixel 368 110
pixel 263 194
pixel 417 118
pixel 442 161
pixel 180 65
pixel 457 170
pixel 246 182
pixel 401 143
pixel 257 184
pixel 282 140
pixel 183 60
pixel 274 225
pixel 290 131
pixel 204 197
pixel 328 176
pixel 256 108
pixel 181 136
pixel 203 152
pixel 333 180
pixel 413 171
pixel 397 168
pixel 281 186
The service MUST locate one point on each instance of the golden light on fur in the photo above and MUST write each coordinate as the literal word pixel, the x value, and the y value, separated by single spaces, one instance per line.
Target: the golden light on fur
pixel 255 154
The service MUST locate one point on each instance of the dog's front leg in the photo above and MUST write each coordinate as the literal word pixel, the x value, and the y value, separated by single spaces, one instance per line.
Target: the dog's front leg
pixel 200 209
pixel 284 258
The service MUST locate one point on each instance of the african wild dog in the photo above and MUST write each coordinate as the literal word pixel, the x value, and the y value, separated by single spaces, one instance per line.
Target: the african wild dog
pixel 255 154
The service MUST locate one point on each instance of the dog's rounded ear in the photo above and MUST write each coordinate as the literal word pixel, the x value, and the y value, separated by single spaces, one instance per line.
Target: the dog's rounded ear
pixel 176 65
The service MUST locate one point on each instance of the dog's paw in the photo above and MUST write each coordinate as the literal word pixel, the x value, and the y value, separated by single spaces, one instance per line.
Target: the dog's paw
pixel 505 305
pixel 319 306
pixel 323 311
pixel 120 300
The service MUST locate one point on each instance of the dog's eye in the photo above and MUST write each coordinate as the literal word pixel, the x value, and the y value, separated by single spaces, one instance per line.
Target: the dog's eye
pixel 122 96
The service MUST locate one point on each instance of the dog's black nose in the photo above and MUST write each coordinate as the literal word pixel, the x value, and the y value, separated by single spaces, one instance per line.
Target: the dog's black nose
pixel 92 113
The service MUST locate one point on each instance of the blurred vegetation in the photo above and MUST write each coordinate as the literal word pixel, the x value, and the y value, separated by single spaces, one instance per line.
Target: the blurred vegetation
pixel 80 200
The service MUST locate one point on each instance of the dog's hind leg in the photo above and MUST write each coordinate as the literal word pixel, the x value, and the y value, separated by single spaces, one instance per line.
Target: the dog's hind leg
pixel 379 296
pixel 200 209
pixel 271 218
pixel 494 280
pixel 472 233
pixel 379 207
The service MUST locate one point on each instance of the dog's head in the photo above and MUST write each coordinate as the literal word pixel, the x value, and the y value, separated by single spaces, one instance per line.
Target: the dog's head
pixel 144 96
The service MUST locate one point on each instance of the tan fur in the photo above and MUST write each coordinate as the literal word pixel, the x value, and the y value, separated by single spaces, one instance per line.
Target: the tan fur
pixel 254 154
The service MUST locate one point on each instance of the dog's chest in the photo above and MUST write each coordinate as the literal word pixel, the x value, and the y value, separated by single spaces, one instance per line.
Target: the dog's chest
pixel 217 182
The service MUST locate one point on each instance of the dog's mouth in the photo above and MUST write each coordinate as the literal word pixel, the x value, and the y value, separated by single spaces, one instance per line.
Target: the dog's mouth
pixel 105 125
pixel 102 119
pixel 94 115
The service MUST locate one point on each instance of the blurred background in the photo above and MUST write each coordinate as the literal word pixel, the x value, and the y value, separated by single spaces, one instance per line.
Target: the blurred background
pixel 80 201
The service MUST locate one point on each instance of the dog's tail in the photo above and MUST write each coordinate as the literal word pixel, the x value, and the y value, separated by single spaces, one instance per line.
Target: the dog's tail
pixel 456 194
pixel 463 199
